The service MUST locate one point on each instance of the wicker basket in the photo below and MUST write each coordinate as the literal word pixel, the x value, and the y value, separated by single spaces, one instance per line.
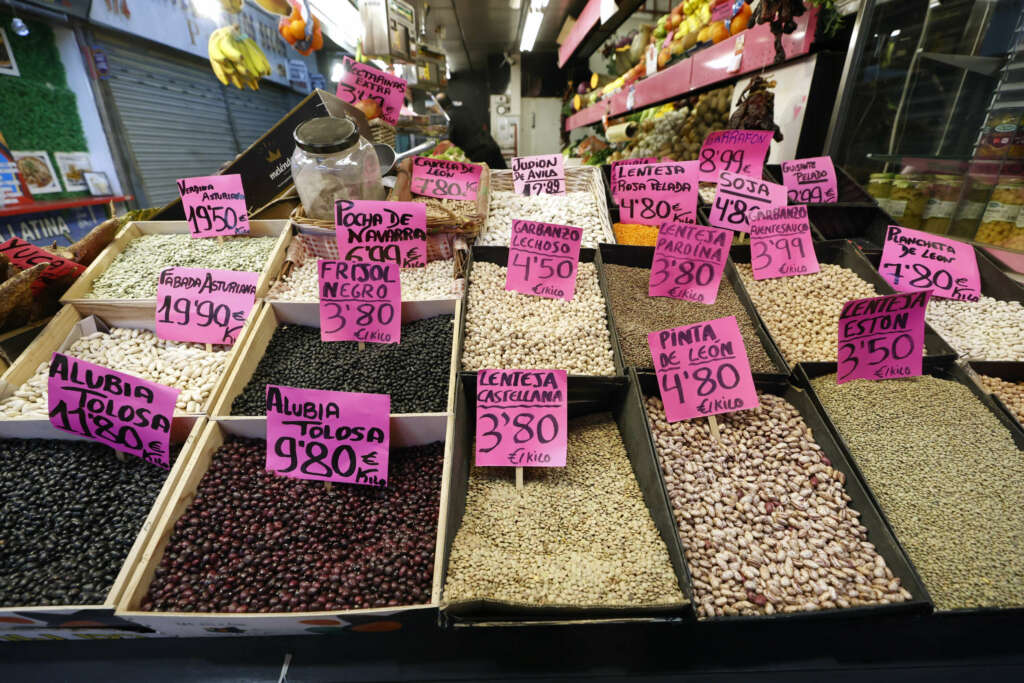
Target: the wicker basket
pixel 441 218
pixel 383 132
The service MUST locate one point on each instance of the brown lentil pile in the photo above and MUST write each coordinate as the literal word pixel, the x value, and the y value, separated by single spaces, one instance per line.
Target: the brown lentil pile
pixel 947 474
pixel 764 519
pixel 1010 393
pixel 636 314
pixel 577 535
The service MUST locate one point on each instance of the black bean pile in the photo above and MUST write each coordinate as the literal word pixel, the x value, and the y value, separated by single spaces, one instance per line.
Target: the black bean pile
pixel 415 373
pixel 69 514
pixel 252 541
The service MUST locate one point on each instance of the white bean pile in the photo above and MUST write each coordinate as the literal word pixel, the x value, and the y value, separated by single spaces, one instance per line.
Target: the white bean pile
pixel 418 284
pixel 989 329
pixel 578 209
pixel 185 366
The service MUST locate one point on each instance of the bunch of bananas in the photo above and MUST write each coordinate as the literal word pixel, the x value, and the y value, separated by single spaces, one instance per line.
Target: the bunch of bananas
pixel 236 58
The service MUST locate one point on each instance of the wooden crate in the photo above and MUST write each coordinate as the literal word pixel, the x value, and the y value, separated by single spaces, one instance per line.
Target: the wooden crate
pixel 406 430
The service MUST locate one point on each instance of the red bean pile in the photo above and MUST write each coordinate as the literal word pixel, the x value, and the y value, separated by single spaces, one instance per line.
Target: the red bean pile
pixel 252 541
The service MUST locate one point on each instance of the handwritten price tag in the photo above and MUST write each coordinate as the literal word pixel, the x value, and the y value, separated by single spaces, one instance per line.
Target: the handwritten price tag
pixel 203 306
pixel 543 259
pixel 25 255
pixel 703 369
pixel 127 413
pixel 445 179
pixel 616 171
pixel 214 205
pixel 882 337
pixel 521 418
pixel 781 243
pixel 328 435
pixel 363 82
pixel 736 195
pixel 689 261
pixel 913 261
pixel 360 302
pixel 736 151
pixel 810 181
pixel 382 232
pixel 542 174
pixel 655 194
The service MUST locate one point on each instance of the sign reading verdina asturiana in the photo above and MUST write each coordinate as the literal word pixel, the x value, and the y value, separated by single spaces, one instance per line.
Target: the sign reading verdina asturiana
pixel 882 337
pixel 521 418
pixel 655 194
pixel 542 259
pixel 363 82
pixel 445 179
pixel 541 174
pixel 203 306
pixel 382 232
pixel 214 205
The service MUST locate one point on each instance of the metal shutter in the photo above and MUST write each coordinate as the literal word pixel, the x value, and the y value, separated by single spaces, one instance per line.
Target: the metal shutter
pixel 256 112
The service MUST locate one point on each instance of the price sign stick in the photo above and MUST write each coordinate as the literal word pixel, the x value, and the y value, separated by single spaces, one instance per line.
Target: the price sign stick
pixel 519 479
pixel 715 434
pixel 119 455
pixel 328 486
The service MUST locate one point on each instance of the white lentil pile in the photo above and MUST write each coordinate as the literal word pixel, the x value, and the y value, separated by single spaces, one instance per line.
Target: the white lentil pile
pixel 988 329
pixel 1010 393
pixel 802 312
pixel 578 209
pixel 947 474
pixel 133 274
pixel 577 535
pixel 510 330
pixel 764 519
pixel 418 284
pixel 185 366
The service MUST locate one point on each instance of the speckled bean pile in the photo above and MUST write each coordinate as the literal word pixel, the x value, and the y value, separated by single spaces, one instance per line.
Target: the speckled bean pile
pixel 577 535
pixel 578 209
pixel 510 330
pixel 947 474
pixel 434 281
pixel 989 329
pixel 1010 393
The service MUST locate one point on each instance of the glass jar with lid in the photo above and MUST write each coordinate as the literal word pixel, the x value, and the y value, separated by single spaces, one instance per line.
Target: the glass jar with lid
pixel 331 162
pixel 907 199
pixel 938 211
pixel 970 211
pixel 1000 218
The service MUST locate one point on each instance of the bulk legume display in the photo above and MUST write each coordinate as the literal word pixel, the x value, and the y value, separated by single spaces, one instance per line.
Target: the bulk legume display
pixel 252 541
pixel 434 281
pixel 988 329
pixel 945 472
pixel 577 535
pixel 632 233
pixel 1010 393
pixel 764 517
pixel 578 209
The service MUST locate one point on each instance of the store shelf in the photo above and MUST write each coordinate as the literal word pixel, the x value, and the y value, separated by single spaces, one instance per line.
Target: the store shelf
pixel 589 33
pixel 706 67
pixel 58 204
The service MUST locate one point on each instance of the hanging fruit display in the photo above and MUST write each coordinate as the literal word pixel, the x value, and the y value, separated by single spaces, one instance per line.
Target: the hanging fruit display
pixel 236 58
pixel 301 29
pixel 231 6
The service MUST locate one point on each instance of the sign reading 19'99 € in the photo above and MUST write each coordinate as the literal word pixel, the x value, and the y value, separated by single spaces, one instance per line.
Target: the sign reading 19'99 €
pixel 735 151
pixel 214 205
pixel 127 413
pixel 445 179
pixel 781 243
pixel 913 261
pixel 382 232
pixel 882 337
pixel 328 435
pixel 810 181
pixel 363 82
pixel 203 306
pixel 521 418
pixel 689 261
pixel 655 194
pixel 541 174
pixel 360 301
pixel 737 195
pixel 702 369
pixel 543 259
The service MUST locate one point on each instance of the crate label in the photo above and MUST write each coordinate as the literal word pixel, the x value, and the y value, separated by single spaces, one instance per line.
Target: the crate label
pixel 689 261
pixel 736 195
pixel 736 151
pixel 810 181
pixel 882 337
pixel 129 414
pixel 702 369
pixel 214 205
pixel 543 259
pixel 335 436
pixel 25 255
pixel 541 174
pixel 616 171
pixel 359 301
pixel 444 179
pixel 381 232
pixel 658 193
pixel 363 82
pixel 204 306
pixel 521 418
pixel 780 242
pixel 913 261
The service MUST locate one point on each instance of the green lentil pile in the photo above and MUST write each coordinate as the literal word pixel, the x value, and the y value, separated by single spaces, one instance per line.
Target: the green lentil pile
pixel 948 476
pixel 134 273
pixel 636 314
pixel 578 535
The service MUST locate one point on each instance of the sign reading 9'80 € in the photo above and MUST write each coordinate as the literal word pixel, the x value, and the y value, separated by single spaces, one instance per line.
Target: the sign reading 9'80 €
pixel 203 306
pixel 214 205
pixel 882 337
pixel 521 418
pixel 363 82
pixel 382 232
pixel 689 261
pixel 328 435
pixel 655 194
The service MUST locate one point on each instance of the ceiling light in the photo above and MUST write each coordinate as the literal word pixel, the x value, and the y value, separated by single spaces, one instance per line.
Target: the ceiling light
pixel 209 9
pixel 19 27
pixel 534 18
pixel 894 33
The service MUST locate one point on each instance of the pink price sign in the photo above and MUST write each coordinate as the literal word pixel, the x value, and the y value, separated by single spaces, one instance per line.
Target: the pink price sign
pixel 655 194
pixel 444 179
pixel 363 82
pixel 882 337
pixel 542 174
pixel 382 232
pixel 214 205
pixel 521 418
pixel 203 306
pixel 125 412
pixel 913 261
pixel 360 302
pixel 543 259
pixel 781 243
pixel 328 435
pixel 736 151
pixel 25 255
pixel 810 181
pixel 702 369
pixel 736 195
pixel 689 261
pixel 616 170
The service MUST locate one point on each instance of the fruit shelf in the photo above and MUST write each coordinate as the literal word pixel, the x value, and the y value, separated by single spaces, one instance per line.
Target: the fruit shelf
pixel 589 31
pixel 706 67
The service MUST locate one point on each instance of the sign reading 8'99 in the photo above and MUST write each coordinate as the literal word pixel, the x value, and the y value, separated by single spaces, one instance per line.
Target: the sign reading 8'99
pixel 735 151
